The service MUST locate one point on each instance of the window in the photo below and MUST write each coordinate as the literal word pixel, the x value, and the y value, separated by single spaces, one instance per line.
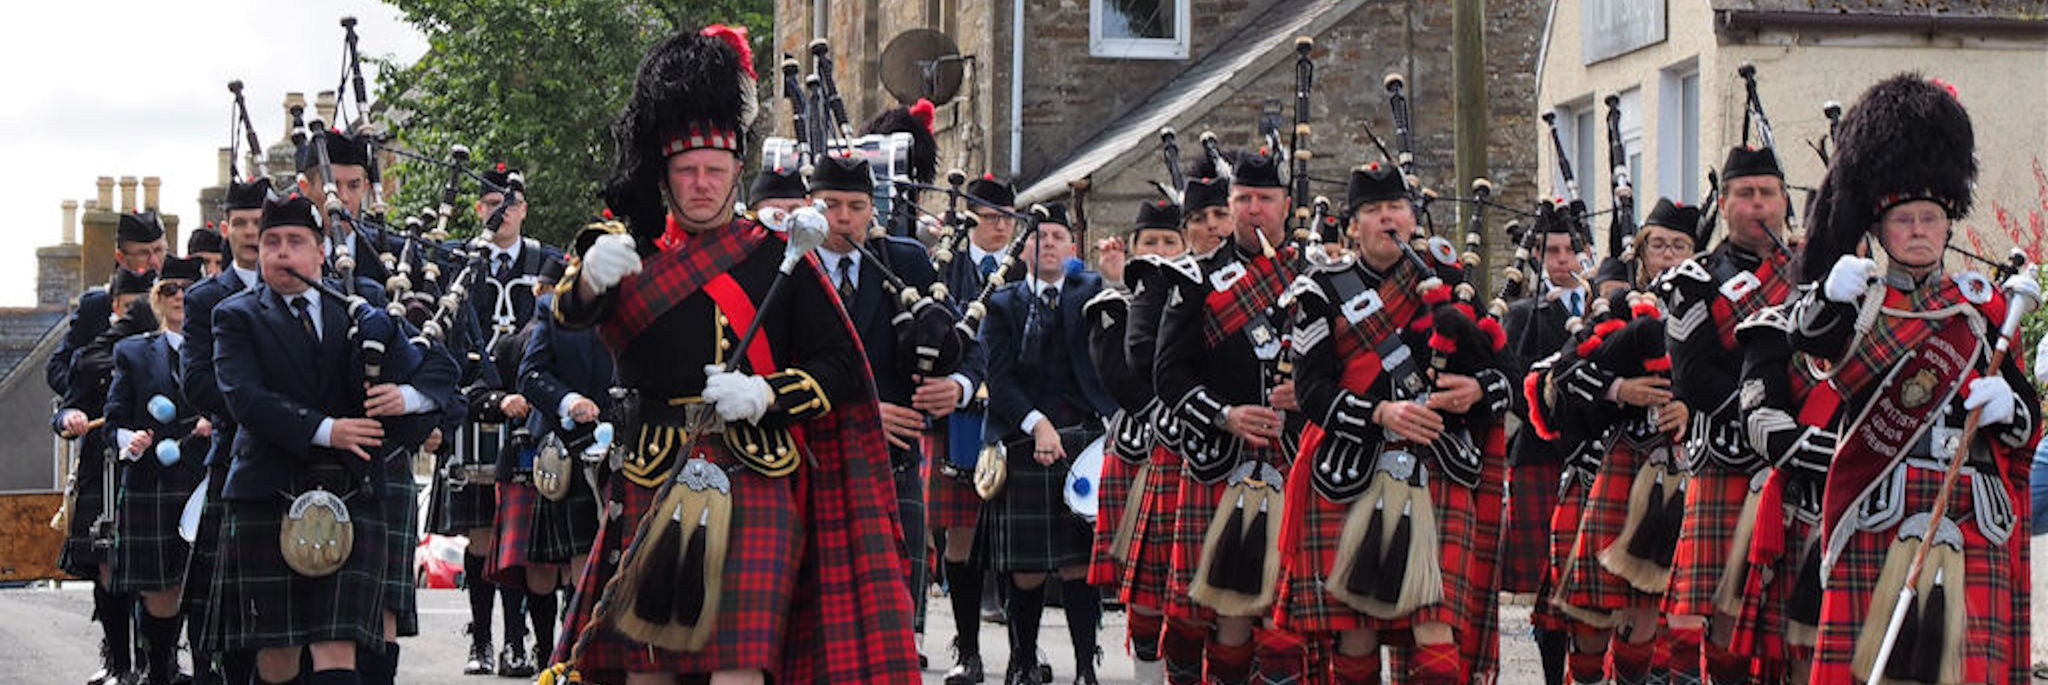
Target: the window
pixel 1632 145
pixel 1577 129
pixel 1138 29
pixel 1679 165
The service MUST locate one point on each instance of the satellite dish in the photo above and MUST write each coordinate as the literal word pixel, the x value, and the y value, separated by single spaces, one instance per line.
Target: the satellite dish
pixel 922 63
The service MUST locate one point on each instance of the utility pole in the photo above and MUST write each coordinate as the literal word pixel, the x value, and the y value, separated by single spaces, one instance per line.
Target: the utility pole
pixel 1468 104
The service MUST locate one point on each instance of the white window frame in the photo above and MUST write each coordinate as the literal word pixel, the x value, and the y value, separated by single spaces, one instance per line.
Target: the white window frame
pixel 1140 48
pixel 1677 178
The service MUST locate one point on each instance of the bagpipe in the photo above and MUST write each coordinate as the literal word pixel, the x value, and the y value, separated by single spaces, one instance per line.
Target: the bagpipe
pixel 923 323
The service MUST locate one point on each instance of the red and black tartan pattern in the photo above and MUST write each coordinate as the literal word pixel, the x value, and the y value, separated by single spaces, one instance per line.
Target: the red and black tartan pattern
pixel 518 508
pixel 1773 287
pixel 1116 481
pixel 1877 352
pixel 1195 506
pixel 272 606
pixel 1767 587
pixel 1589 585
pixel 1525 549
pixel 1399 305
pixel 1995 598
pixel 1265 280
pixel 1149 562
pixel 950 503
pixel 1309 538
pixel 148 554
pixel 759 581
pixel 1713 507
pixel 670 276
pixel 401 526
pixel 1564 531
pixel 847 624
pixel 1480 637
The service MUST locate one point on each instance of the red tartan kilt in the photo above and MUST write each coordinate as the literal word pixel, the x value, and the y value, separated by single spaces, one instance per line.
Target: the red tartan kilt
pixel 759 580
pixel 1564 530
pixel 1995 590
pixel 950 503
pixel 1531 498
pixel 1192 512
pixel 508 562
pixel 1713 507
pixel 1305 607
pixel 1760 629
pixel 1149 561
pixel 1479 638
pixel 1589 585
pixel 1116 478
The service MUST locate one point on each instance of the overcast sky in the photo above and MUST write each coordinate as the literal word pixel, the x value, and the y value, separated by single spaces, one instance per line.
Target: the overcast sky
pixel 139 88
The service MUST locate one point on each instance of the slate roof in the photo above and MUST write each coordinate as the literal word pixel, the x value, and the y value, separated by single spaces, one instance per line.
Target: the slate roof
pixel 1206 82
pixel 21 330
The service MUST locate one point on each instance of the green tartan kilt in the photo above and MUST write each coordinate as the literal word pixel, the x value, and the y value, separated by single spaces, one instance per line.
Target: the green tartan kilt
pixel 276 607
pixel 148 554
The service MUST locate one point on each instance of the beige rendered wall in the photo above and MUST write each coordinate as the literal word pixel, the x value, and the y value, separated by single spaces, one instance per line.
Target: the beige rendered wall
pixel 2000 80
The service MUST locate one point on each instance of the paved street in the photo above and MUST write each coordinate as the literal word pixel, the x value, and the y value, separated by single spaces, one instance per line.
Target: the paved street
pixel 49 640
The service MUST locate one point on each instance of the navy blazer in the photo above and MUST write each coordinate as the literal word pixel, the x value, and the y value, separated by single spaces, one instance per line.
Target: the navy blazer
pixel 95 309
pixel 871 311
pixel 279 386
pixel 202 389
pixel 560 361
pixel 1011 380
pixel 142 369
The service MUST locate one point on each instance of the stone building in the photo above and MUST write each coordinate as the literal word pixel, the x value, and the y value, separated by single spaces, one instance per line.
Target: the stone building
pixel 1674 66
pixel 1062 90
pixel 82 258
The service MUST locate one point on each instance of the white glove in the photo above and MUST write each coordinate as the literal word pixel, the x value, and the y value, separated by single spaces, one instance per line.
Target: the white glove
pixel 1994 396
pixel 1849 278
pixel 610 259
pixel 736 395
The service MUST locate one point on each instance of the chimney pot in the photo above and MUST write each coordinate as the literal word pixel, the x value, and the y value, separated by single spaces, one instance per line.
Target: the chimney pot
pixel 70 230
pixel 226 165
pixel 127 193
pixel 151 186
pixel 324 103
pixel 291 100
pixel 105 197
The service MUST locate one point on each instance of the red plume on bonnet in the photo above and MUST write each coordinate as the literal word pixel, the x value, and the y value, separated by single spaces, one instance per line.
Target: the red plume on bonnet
pixel 924 112
pixel 735 36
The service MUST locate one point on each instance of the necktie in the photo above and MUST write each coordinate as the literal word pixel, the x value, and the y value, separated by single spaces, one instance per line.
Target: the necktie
pixel 1051 297
pixel 846 279
pixel 988 265
pixel 177 369
pixel 302 309
pixel 504 266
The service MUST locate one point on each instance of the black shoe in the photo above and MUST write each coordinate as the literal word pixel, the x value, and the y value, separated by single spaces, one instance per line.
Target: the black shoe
pixel 479 658
pixel 966 671
pixel 923 662
pixel 514 662
pixel 1084 670
pixel 1023 673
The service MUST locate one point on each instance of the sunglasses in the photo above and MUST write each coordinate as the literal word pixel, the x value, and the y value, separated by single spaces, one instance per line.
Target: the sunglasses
pixel 169 288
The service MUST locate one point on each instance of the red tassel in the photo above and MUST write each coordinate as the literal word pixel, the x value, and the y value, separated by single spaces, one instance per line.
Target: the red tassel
pixel 1442 344
pixel 1465 309
pixel 1422 323
pixel 1644 308
pixel 1493 330
pixel 1437 295
pixel 1658 365
pixel 1609 326
pixel 1587 346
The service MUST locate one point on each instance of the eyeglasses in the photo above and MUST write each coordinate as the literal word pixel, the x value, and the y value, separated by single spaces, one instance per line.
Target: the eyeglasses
pixel 1677 246
pixel 169 288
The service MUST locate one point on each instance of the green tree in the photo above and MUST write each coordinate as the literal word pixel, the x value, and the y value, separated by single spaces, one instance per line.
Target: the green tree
pixel 534 84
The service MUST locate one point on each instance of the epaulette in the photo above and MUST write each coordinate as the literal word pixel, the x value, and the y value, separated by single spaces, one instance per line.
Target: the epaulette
pixel 1777 317
pixel 1976 288
pixel 1186 267
pixel 1319 261
pixel 1109 297
pixel 1141 268
pixel 1688 270
pixel 1306 285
